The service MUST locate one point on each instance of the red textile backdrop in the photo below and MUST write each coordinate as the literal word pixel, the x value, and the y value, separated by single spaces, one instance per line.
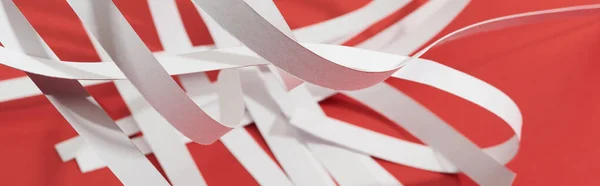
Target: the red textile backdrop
pixel 546 68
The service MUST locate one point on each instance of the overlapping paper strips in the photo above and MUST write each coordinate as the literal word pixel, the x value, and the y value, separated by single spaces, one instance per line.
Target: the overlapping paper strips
pixel 271 76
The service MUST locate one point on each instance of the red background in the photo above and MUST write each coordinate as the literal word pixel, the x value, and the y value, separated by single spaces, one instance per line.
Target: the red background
pixel 546 68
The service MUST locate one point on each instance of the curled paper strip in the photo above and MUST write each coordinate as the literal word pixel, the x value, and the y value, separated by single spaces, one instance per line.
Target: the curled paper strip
pixel 267 41
pixel 77 106
pixel 281 50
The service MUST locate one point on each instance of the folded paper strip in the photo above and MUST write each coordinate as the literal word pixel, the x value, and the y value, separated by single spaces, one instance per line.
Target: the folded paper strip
pixel 264 65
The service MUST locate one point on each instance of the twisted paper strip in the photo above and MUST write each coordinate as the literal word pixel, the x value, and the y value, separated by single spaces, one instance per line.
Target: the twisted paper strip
pixel 406 112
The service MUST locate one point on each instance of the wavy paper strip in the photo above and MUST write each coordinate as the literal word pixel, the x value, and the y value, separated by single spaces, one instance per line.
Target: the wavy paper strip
pixel 309 146
pixel 78 107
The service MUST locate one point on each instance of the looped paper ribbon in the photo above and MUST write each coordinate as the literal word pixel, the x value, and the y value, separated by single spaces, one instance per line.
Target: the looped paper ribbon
pixel 330 66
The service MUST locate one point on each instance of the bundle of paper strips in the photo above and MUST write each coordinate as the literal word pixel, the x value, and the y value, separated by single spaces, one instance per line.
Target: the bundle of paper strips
pixel 270 76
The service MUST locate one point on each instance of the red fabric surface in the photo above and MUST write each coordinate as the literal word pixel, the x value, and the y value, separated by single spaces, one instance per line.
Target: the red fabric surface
pixel 546 68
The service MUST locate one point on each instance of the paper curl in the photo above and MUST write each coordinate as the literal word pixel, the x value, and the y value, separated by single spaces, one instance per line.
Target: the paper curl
pixel 258 53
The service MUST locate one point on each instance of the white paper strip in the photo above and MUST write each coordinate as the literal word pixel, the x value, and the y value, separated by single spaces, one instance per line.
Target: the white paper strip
pixel 417 28
pixel 281 50
pixel 434 132
pixel 262 168
pixel 127 50
pixel 169 26
pixel 230 98
pixel 239 142
pixel 346 167
pixel 162 138
pixel 294 157
pixel 344 27
pixel 78 107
